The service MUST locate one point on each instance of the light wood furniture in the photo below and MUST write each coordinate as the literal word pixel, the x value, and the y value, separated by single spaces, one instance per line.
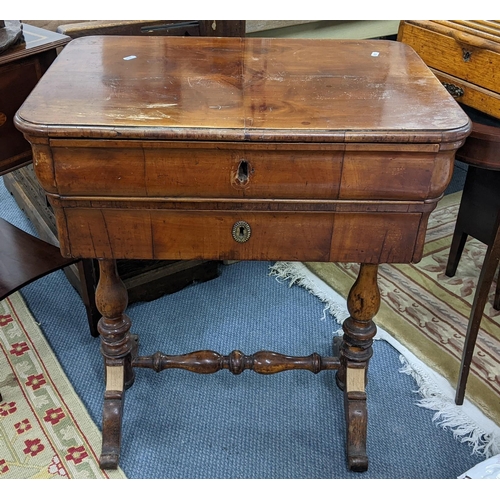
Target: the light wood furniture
pixel 464 55
pixel 241 149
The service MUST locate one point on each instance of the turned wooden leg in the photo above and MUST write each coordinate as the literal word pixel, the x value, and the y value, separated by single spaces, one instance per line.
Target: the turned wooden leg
pixel 117 347
pixel 355 352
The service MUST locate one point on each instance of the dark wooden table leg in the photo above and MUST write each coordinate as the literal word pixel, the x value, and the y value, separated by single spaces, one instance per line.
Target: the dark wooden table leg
pixel 355 352
pixel 117 347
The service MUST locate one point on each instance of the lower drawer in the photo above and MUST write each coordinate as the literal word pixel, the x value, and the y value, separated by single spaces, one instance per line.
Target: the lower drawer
pixel 191 234
pixel 470 94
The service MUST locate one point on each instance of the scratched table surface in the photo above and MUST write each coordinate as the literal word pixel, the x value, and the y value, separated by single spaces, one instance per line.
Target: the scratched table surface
pixel 241 89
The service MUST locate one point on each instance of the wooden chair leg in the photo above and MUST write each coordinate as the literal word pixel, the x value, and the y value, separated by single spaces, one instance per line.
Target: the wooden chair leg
pixel 456 249
pixel 496 301
pixel 488 269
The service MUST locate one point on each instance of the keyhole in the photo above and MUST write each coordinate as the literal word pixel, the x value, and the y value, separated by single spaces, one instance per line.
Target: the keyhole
pixel 466 55
pixel 241 231
pixel 243 171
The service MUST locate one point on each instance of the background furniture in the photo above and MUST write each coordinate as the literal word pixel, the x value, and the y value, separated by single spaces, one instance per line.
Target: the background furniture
pixel 478 217
pixel 154 28
pixel 465 56
pixel 23 257
pixel 21 67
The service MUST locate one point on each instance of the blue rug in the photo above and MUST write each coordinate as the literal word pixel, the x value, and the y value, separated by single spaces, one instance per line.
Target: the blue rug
pixel 291 425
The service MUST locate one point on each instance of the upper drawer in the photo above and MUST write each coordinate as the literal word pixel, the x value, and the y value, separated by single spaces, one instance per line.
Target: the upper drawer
pixel 185 170
pixel 211 170
pixel 456 49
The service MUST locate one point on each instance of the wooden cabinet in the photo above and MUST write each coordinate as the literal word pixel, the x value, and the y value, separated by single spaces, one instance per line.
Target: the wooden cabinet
pixel 464 55
pixel 20 69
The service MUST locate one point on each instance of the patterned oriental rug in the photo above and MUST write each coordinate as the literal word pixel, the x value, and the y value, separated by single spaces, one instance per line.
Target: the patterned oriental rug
pixel 45 430
pixel 427 313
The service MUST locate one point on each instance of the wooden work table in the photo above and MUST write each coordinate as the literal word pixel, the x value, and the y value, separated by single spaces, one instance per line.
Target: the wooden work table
pixel 241 149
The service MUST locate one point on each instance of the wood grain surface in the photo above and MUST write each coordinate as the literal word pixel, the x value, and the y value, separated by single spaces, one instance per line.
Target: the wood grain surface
pixel 241 89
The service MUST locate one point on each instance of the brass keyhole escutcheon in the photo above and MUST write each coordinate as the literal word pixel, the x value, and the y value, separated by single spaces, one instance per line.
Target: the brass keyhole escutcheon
pixel 241 231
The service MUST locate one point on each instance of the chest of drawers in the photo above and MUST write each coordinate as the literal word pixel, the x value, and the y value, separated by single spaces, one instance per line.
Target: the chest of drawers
pixel 464 55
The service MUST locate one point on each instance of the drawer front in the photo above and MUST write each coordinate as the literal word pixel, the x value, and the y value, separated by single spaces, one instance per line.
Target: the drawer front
pixel 471 95
pixel 447 53
pixel 197 171
pixel 182 234
pixel 225 170
pixel 395 174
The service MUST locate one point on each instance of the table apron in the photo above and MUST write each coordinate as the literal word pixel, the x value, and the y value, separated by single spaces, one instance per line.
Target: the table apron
pixel 243 171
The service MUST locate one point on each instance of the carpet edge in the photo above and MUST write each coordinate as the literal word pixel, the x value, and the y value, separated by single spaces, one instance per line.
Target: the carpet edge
pixel 93 435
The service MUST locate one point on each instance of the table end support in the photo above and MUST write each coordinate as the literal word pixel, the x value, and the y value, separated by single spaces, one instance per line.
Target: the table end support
pixel 111 429
pixel 355 351
pixel 118 347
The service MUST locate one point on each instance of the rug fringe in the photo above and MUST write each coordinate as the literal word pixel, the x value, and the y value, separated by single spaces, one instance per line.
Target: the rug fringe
pixel 451 416
pixel 467 423
pixel 298 274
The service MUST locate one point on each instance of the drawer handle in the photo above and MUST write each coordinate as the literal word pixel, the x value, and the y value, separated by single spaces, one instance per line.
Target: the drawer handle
pixel 453 89
pixel 241 231
pixel 474 41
